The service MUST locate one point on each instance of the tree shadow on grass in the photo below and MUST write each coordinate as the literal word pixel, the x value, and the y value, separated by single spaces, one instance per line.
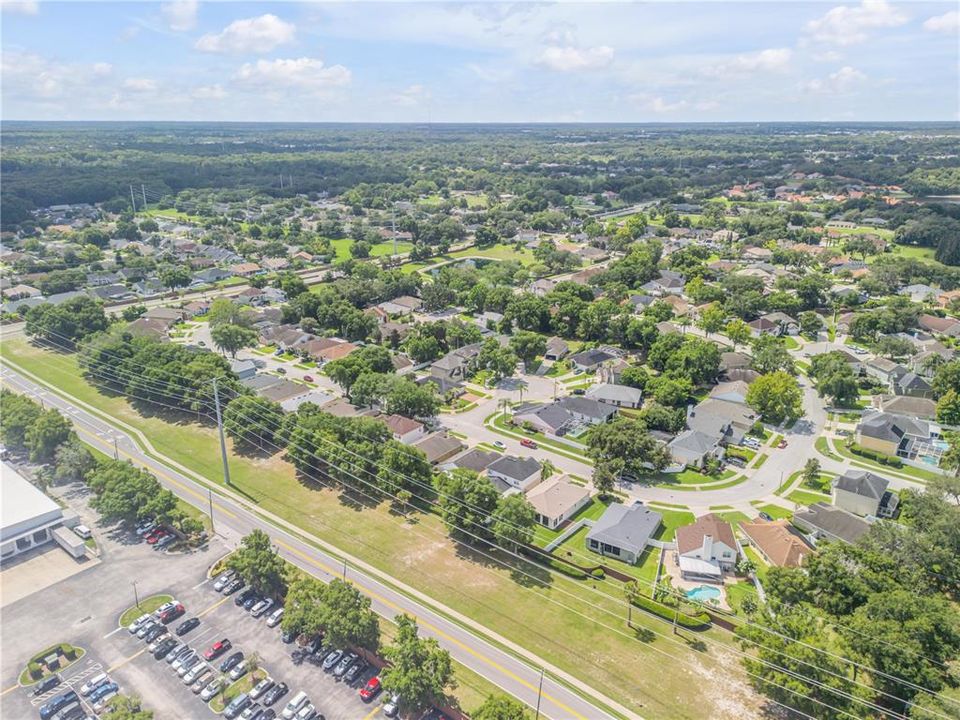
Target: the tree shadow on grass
pixel 525 573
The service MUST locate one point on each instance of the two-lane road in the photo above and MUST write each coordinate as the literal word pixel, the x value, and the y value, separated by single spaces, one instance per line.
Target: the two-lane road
pixel 235 517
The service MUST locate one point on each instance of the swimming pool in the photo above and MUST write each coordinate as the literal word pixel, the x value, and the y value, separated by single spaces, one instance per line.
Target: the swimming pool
pixel 704 593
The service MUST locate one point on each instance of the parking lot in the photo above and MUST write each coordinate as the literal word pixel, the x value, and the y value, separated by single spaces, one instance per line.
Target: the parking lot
pixel 84 609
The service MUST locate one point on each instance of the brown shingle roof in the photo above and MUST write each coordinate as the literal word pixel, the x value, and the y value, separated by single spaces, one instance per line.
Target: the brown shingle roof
pixel 690 537
pixel 778 542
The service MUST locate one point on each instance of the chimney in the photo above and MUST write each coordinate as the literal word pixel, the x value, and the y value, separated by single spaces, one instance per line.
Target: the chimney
pixel 707 549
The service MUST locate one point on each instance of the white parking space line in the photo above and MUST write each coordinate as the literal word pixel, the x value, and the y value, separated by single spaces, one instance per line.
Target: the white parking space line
pixel 200 584
pixel 113 632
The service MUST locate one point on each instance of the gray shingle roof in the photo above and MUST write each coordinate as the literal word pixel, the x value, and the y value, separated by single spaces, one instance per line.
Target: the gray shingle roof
pixel 517 468
pixel 833 522
pixel 626 526
pixel 863 483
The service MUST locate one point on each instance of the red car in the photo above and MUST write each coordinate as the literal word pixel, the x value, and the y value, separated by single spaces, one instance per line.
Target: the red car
pixel 528 443
pixel 168 616
pixel 369 691
pixel 308 378
pixel 155 537
pixel 218 649
pixel 782 444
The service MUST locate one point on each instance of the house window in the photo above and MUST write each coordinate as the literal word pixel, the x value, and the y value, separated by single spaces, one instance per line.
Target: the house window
pixel 23 543
pixel 40 536
pixel 726 554
pixel 593 545
pixel 611 550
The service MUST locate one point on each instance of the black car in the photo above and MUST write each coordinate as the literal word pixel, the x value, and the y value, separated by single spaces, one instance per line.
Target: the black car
pixel 154 634
pixel 233 586
pixel 164 647
pixel 187 625
pixel 275 693
pixel 355 672
pixel 231 662
pixel 244 596
pixel 288 636
pixel 269 714
pixel 47 684
pixel 251 601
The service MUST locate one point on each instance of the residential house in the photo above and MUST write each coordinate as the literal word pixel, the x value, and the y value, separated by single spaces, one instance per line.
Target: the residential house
pixel 557 349
pixel 584 276
pixel 941 326
pixel 920 293
pixel 946 299
pixel 245 269
pixel 912 385
pixel 732 391
pixel 403 305
pixel 587 360
pixel 706 549
pixel 542 287
pixel 557 500
pixel 516 472
pixel 210 276
pixel 285 337
pixel 668 283
pixel 168 314
pixel 757 253
pixel 777 542
pixel 618 395
pixel 923 408
pixel 438 447
pixel 315 397
pixel 827 522
pixel 787 325
pixel 338 407
pixel 762 326
pixel 334 351
pixel 456 364
pixel 404 429
pixel 693 448
pixel 393 331
pixel 884 370
pixel 864 493
pixel 900 436
pixel 283 391
pixel 734 361
pixel 722 419
pixel 476 459
pixel 148 287
pixel 155 328
pixel 623 531
pixel 243 369
pixel 100 279
pixel 586 411
pixel 111 293
pixel 20 292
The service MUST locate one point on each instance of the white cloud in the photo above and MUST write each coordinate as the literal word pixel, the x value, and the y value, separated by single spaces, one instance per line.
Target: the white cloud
pixel 570 58
pixel 181 15
pixel 302 73
pixel 845 25
pixel 662 106
pixel 412 96
pixel 252 35
pixel 209 92
pixel 20 7
pixel 102 69
pixel 947 23
pixel 139 85
pixel 843 80
pixel 769 60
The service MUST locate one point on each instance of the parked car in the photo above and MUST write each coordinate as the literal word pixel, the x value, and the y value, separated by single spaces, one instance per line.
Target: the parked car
pixel 332 659
pixel 345 662
pixel 83 531
pixel 275 617
pixel 102 691
pixel 155 632
pixel 183 658
pixel 239 670
pixel 231 662
pixel 528 443
pixel 578 391
pixel 233 586
pixel 253 711
pixel 499 444
pixel 187 625
pixel 275 693
pixel 782 444
pixel 212 689
pixel 46 684
pixel 162 651
pixel 391 706
pixel 765 516
pixel 172 614
pixel 261 688
pixel 307 712
pixel 202 680
pixel 251 601
pixel 223 579
pixel 218 649
pixel 288 636
pixel 176 653
pixel 158 641
pixel 244 596
pixel 164 541
pixel 295 705
pixel 355 671
pixel 147 627
pixel 308 378
pixel 72 711
pixel 156 536
pixel 145 527
pixel 100 705
pixel 237 706
pixel 93 683
pixel 169 605
pixel 57 703
pixel 188 665
pixel 262 607
pixel 369 691
pixel 135 626
pixel 191 677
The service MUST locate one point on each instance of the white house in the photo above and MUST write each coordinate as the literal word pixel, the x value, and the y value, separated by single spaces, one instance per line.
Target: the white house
pixel 706 549
pixel 557 500
pixel 519 473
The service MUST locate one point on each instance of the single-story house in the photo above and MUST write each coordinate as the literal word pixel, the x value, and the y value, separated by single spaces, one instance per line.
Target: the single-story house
pixel 941 326
pixel 517 472
pixel 403 305
pixel 923 408
pixel 706 549
pixel 591 359
pixel 734 361
pixel 919 293
pixel 623 531
pixel 864 493
pixel 283 391
pixel 438 447
pixel 912 385
pixel 883 369
pixel 829 522
pixel 692 448
pixel 557 500
pixel 338 407
pixel 557 349
pixel 729 421
pixel 732 391
pixel 318 398
pixel 243 369
pixel 777 542
pixel 618 395
pixel 476 459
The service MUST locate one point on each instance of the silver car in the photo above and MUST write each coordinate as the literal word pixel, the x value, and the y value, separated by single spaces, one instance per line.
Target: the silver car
pixel 212 689
pixel 223 580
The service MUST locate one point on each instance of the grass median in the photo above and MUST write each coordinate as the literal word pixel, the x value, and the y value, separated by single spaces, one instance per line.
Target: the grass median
pixel 147 605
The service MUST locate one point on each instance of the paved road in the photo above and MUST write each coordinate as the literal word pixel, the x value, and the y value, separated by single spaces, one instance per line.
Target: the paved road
pixel 234 518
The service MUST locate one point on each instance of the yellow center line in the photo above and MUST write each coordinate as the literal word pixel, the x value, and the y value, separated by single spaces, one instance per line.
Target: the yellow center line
pixel 9 689
pixel 186 488
pixel 213 607
pixel 373 712
pixel 124 662
pixel 437 631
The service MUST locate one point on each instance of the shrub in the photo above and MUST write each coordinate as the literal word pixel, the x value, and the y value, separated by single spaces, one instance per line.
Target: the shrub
pixel 569 570
pixel 684 620
pixel 69 652
pixel 34 669
pixel 598 573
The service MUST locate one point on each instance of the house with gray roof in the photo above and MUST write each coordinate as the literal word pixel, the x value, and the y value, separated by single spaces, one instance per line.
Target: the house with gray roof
pixel 476 459
pixel 617 395
pixel 828 522
pixel 592 359
pixel 726 420
pixel 622 531
pixel 693 448
pixel 896 435
pixel 518 473
pixel 912 385
pixel 864 493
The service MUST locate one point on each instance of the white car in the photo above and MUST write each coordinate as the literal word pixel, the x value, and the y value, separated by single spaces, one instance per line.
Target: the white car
pixel 391 706
pixel 261 687
pixel 306 712
pixel 212 689
pixel 239 671
pixel 179 662
pixel 83 531
pixel 135 626
pixel 166 606
pixel 195 672
pixel 160 639
pixel 202 680
pixel 223 580
pixel 188 665
pixel 102 703
pixel 261 607
pixel 275 617
pixel 93 683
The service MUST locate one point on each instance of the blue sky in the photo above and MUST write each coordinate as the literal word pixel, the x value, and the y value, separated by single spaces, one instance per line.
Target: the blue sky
pixel 480 62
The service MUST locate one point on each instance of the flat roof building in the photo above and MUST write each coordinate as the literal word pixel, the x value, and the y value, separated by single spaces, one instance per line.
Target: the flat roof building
pixel 27 516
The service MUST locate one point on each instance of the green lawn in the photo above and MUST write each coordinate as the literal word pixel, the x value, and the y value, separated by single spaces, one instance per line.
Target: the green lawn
pixel 775 511
pixel 759 563
pixel 243 685
pixel 790 342
pixel 500 595
pixel 823 447
pixel 734 517
pixel 147 605
pixel 498 423
pixel 806 497
pixel 672 519
pixel 916 473
pixel 341 247
pixel 759 461
pixel 738 591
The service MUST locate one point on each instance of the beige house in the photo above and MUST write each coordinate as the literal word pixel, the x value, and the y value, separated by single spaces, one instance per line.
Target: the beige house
pixel 706 549
pixel 557 500
pixel 777 542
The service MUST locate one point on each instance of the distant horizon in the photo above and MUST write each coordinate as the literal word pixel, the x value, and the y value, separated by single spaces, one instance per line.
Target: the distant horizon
pixel 491 123
pixel 687 61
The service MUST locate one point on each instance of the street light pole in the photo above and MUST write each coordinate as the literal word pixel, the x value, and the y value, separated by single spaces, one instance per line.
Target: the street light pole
pixel 136 597
pixel 539 695
pixel 210 498
pixel 223 442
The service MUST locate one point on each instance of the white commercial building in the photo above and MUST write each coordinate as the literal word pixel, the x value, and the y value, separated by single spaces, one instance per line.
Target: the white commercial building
pixel 27 516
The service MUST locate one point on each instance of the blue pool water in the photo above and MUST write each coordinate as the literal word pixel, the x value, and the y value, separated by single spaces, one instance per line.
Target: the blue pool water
pixel 704 593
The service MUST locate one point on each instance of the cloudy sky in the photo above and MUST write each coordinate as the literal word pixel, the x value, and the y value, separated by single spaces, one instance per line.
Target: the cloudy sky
pixel 480 62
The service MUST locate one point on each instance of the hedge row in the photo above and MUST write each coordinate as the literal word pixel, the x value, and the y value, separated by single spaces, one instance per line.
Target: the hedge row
pixel 569 570
pixel 875 456
pixel 692 622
